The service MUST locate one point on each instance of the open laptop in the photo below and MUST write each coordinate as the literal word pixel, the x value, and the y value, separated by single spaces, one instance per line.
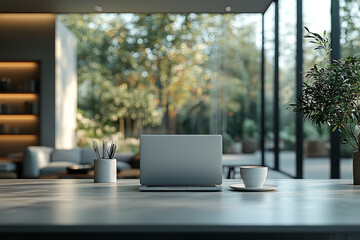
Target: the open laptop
pixel 180 162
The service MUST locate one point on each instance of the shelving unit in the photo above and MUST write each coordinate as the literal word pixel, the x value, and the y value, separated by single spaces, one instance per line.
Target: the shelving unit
pixel 19 106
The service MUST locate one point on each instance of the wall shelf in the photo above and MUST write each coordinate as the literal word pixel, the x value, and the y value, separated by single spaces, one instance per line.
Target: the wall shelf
pixel 19 105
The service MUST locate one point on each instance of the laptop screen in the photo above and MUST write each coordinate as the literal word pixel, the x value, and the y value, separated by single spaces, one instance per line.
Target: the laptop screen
pixel 180 159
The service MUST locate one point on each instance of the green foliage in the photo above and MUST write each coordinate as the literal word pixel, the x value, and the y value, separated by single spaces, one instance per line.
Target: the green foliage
pixel 227 141
pixel 250 129
pixel 120 102
pixel 331 93
pixel 350 30
pixel 322 42
pixel 346 151
pixel 128 66
pixel 316 132
pixel 143 69
pixel 287 135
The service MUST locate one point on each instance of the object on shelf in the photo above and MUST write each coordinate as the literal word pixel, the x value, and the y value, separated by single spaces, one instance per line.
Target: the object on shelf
pixel 30 107
pixel 20 87
pixel 9 109
pixel 3 129
pixel 5 84
pixel 34 108
pixel 15 130
pixel 29 86
pixel 32 85
pixel 9 84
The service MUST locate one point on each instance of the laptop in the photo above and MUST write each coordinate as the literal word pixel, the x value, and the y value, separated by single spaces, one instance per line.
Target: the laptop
pixel 180 162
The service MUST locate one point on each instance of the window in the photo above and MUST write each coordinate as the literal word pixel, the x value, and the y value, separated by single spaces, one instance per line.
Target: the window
pixel 168 73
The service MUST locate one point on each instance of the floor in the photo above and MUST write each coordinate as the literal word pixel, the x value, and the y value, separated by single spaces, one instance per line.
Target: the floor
pixel 314 168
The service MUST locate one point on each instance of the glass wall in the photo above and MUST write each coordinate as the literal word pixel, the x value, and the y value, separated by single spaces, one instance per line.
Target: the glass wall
pixel 269 20
pixel 200 74
pixel 317 19
pixel 350 46
pixel 287 84
pixel 168 73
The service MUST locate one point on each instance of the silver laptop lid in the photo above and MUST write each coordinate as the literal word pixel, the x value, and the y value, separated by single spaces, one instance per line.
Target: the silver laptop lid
pixel 180 159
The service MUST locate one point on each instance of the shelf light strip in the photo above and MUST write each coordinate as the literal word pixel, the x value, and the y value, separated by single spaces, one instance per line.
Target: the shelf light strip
pixel 18 96
pixel 18 64
pixel 19 117
pixel 19 137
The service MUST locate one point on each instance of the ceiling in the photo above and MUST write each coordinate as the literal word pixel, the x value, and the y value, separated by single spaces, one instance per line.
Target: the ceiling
pixel 134 6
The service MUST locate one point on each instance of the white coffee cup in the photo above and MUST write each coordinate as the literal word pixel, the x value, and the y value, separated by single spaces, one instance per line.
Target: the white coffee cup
pixel 105 170
pixel 253 176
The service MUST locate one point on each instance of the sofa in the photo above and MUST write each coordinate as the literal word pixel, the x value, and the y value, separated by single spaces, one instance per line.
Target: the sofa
pixel 40 161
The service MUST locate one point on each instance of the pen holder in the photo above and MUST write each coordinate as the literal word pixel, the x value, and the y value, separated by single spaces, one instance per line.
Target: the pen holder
pixel 105 170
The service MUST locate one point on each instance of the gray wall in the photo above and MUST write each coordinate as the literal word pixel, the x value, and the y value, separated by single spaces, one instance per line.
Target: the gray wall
pixel 32 37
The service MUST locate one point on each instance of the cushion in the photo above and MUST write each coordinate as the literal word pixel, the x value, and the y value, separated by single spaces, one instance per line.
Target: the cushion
pixel 35 158
pixel 55 167
pixel 124 156
pixel 66 155
pixel 87 156
pixel 40 154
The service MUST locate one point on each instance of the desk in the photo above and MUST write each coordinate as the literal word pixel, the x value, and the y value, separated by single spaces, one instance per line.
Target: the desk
pixel 69 208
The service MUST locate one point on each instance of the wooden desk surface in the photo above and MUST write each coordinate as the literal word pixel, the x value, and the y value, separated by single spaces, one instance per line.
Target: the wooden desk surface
pixel 79 205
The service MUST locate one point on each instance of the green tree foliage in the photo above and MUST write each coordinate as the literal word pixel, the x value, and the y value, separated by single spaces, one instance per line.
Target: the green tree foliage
pixel 350 27
pixel 151 68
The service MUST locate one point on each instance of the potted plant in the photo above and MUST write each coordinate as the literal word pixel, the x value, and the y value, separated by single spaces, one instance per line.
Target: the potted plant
pixel 330 96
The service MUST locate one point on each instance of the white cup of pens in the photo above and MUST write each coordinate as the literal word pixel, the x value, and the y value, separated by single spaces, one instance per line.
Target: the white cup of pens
pixel 105 169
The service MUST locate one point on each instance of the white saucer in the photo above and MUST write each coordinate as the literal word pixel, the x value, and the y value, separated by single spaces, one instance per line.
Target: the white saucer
pixel 264 188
